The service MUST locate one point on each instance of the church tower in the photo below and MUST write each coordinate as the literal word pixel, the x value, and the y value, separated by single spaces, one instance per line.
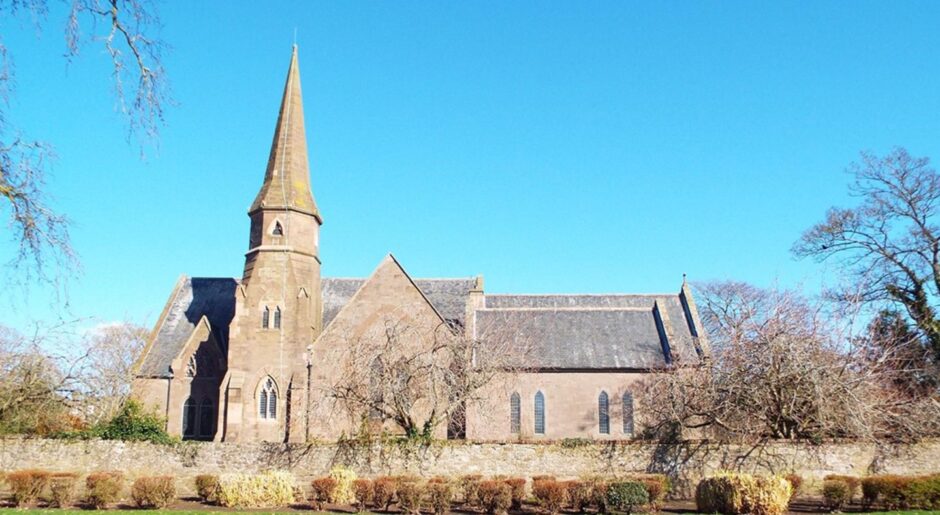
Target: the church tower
pixel 278 311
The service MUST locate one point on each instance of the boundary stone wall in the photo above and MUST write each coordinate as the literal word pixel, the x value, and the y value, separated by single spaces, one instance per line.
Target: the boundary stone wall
pixel 685 463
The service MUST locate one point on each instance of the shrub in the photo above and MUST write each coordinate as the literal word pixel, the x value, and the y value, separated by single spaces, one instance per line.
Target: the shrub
pixel 836 493
pixel 383 492
pixel 134 422
pixel 550 493
pixel 599 495
pixel 795 480
pixel 517 490
pixel 411 496
pixel 536 479
pixel 579 495
pixel 322 491
pixel 362 489
pixel 470 485
pixel 626 495
pixel 441 495
pixel 153 492
pixel 851 481
pixel 742 493
pixel 207 487
pixel 27 485
pixel 656 485
pixel 344 485
pixel 924 492
pixel 103 488
pixel 495 496
pixel 269 489
pixel 902 492
pixel 62 486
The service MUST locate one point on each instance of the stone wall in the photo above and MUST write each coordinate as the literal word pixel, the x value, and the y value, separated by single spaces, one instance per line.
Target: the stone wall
pixel 685 463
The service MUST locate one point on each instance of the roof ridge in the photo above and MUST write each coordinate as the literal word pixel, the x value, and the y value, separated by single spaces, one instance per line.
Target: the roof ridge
pixel 572 308
pixel 582 294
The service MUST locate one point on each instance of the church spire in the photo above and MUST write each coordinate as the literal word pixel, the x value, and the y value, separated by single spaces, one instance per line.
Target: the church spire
pixel 287 178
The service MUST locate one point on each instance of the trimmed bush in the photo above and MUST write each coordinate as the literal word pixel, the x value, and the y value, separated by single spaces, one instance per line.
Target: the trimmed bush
pixel 27 485
pixel 383 492
pixel 322 491
pixel 103 488
pixel 551 494
pixel 902 492
pixel 62 489
pixel 599 495
pixel 924 492
pixel 852 482
pixel 579 495
pixel 495 497
pixel 363 490
pixel 656 485
pixel 517 490
pixel 344 485
pixel 626 496
pixel 743 493
pixel 836 494
pixel 269 489
pixel 207 487
pixel 410 496
pixel 441 495
pixel 153 492
pixel 470 486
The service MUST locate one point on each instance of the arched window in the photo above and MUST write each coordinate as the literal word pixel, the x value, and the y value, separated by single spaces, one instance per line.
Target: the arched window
pixel 628 413
pixel 191 367
pixel 515 413
pixel 603 414
pixel 278 230
pixel 265 317
pixel 539 413
pixel 189 418
pixel 277 317
pixel 206 418
pixel 267 400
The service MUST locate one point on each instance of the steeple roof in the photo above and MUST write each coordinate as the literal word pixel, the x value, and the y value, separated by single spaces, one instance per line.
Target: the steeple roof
pixel 287 178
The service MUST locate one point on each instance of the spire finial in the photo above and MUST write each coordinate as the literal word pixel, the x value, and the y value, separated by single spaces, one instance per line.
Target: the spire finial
pixel 684 283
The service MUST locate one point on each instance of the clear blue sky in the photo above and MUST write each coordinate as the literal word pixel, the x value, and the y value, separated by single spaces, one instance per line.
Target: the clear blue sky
pixel 551 146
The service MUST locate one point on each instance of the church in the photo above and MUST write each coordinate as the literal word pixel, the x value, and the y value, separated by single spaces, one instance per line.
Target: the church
pixel 252 358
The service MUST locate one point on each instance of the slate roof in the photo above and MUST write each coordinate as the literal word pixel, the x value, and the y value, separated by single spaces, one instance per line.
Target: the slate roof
pixel 591 332
pixel 192 298
pixel 449 296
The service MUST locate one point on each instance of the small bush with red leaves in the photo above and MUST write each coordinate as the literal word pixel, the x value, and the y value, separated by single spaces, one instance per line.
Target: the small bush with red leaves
pixel 207 487
pixel 440 495
pixel 796 481
pixel 495 496
pixel 517 489
pixel 153 492
pixel 852 482
pixel 103 488
pixel 550 493
pixel 27 485
pixel 470 487
pixel 321 491
pixel 383 492
pixel 62 487
pixel 363 492
pixel 579 495
pixel 411 496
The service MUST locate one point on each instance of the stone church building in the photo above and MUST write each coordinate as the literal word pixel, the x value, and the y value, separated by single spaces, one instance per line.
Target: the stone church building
pixel 247 359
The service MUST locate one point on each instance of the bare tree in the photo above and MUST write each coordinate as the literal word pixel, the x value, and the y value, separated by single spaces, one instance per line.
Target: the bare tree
pixel 889 242
pixel 419 378
pixel 782 367
pixel 124 28
pixel 107 372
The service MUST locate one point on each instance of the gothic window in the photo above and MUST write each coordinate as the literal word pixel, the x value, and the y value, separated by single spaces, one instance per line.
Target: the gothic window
pixel 628 413
pixel 267 400
pixel 539 413
pixel 278 230
pixel 515 413
pixel 277 317
pixel 603 414
pixel 189 418
pixel 265 317
pixel 206 420
pixel 191 366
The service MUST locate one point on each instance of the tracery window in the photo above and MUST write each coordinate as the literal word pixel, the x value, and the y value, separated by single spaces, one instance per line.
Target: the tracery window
pixel 206 418
pixel 189 418
pixel 539 413
pixel 603 414
pixel 628 413
pixel 267 400
pixel 265 317
pixel 515 413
